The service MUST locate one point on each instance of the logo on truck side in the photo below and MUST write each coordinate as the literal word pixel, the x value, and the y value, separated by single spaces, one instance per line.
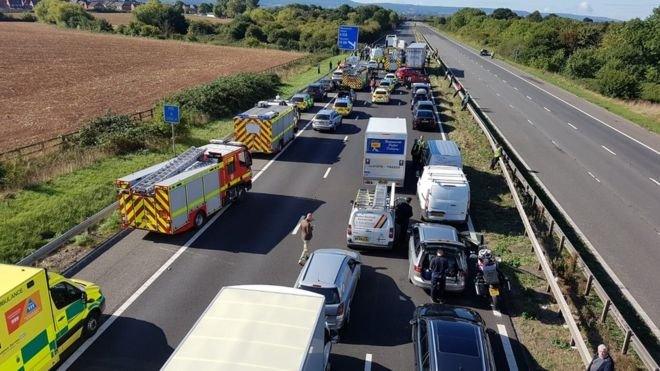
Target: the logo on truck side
pixel 386 146
pixel 22 312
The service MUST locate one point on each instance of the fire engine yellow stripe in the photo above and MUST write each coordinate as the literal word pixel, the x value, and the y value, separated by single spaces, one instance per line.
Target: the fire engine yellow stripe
pixel 247 175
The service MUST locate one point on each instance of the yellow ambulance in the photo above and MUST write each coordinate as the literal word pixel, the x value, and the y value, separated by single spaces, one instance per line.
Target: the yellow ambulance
pixel 42 315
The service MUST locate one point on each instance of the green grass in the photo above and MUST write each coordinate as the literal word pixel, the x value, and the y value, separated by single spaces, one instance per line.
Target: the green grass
pixel 647 121
pixel 32 216
pixel 535 317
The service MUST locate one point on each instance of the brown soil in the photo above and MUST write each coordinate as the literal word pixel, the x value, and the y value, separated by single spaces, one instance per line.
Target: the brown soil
pixel 54 79
pixel 117 19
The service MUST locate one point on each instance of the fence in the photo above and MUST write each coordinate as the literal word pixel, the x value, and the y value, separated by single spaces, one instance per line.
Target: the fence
pixel 531 187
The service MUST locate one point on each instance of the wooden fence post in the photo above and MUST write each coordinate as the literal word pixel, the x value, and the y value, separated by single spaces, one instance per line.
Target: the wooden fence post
pixel 626 342
pixel 606 308
pixel 587 288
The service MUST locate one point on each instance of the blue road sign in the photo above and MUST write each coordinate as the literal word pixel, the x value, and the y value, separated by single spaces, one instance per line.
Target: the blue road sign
pixel 347 39
pixel 171 113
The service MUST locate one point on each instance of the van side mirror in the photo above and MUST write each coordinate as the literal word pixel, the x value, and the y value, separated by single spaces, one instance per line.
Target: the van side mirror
pixel 351 202
pixel 84 297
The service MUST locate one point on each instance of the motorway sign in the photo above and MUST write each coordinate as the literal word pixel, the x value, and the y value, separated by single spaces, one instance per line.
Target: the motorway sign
pixel 171 113
pixel 347 38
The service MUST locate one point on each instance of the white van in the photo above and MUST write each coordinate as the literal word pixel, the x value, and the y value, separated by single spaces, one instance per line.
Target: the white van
pixel 385 151
pixel 444 194
pixel 371 222
pixel 442 152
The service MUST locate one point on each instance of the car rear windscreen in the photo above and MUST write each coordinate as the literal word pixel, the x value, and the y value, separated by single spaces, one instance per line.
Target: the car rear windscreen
pixel 341 104
pixel 425 114
pixel 331 294
pixel 456 338
pixel 297 99
pixel 322 117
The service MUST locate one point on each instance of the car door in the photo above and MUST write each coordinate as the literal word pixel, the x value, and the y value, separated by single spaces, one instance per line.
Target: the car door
pixel 68 309
pixel 354 269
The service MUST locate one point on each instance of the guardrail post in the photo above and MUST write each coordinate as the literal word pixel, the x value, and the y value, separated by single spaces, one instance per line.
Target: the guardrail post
pixel 606 308
pixel 587 288
pixel 552 226
pixel 561 244
pixel 626 342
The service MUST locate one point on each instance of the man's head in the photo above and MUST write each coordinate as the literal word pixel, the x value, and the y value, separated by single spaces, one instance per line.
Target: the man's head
pixel 408 199
pixel 309 217
pixel 439 252
pixel 603 351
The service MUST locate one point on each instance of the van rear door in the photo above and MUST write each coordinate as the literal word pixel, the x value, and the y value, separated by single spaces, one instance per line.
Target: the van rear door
pixel 372 227
pixel 449 199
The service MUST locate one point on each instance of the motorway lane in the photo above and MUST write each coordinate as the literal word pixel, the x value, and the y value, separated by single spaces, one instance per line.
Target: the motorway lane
pixel 252 243
pixel 600 177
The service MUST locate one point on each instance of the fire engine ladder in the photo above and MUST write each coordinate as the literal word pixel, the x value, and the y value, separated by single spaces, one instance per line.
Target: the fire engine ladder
pixel 173 167
pixel 372 199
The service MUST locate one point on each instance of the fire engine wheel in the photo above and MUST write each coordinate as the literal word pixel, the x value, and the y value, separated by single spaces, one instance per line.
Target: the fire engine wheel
pixel 200 219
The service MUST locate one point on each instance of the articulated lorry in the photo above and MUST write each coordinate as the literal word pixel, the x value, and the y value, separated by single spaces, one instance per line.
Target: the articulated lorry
pixel 44 314
pixel 179 194
pixel 257 327
pixel 385 151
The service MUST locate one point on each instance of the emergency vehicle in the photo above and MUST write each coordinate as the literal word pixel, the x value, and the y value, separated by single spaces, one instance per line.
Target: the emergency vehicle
pixel 355 78
pixel 43 315
pixel 181 193
pixel 268 127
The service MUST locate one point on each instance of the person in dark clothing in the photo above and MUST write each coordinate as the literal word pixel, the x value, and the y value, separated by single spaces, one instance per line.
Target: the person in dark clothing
pixel 330 66
pixel 602 361
pixel 403 213
pixel 416 154
pixel 438 275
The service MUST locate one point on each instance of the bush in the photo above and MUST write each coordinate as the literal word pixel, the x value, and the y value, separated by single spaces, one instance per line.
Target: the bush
pixel 168 19
pixel 69 15
pixel 651 92
pixel 118 134
pixel 197 28
pixel 253 31
pixel 583 64
pixel 617 82
pixel 28 17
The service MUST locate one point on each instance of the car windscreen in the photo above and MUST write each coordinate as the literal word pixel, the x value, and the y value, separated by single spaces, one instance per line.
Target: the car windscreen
pixel 341 104
pixel 297 99
pixel 425 107
pixel 425 114
pixel 322 117
pixel 456 338
pixel 313 88
pixel 384 83
pixel 331 294
pixel 380 92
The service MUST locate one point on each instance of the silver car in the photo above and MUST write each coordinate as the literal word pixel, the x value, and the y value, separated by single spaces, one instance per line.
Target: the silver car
pixel 326 119
pixel 333 273
pixel 425 240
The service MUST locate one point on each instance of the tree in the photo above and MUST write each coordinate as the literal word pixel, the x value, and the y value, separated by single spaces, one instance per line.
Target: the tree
pixel 251 4
pixel 220 8
pixel 617 81
pixel 205 8
pixel 235 8
pixel 583 64
pixel 587 20
pixel 504 13
pixel 535 16
pixel 168 19
pixel 253 31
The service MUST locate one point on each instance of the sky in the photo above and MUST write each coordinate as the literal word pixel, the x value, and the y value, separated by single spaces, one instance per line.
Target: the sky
pixel 616 9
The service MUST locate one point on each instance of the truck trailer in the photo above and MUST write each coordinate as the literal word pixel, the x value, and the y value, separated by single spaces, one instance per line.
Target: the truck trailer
pixel 179 194
pixel 257 327
pixel 44 315
pixel 385 151
pixel 416 55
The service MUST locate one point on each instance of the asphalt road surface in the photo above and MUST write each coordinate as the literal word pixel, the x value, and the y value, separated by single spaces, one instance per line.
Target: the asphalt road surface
pixel 157 286
pixel 602 169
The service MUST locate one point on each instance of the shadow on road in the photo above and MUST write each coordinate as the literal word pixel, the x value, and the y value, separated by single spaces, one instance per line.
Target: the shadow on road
pixel 342 362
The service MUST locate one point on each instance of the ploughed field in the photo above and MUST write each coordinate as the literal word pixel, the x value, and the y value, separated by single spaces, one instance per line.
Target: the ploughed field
pixel 54 79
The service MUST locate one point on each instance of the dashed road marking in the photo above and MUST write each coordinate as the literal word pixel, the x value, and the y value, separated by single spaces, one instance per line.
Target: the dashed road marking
pixel 367 362
pixel 546 108
pixel 506 344
pixel 327 172
pixel 295 230
pixel 504 81
pixel 528 97
pixel 515 88
pixel 656 182
pixel 593 176
pixel 345 138
pixel 571 125
pixel 511 105
pixel 530 122
pixel 608 150
pixel 498 94
pixel 555 143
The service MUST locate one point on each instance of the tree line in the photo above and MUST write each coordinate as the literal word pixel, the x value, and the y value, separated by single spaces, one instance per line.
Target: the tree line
pixel 617 59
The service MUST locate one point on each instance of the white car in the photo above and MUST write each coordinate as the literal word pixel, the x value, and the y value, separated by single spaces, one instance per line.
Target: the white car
pixel 337 76
pixel 444 194
pixel 372 64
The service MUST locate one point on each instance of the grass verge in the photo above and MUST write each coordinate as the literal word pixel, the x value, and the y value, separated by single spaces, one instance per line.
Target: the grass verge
pixel 644 114
pixel 34 215
pixel 536 317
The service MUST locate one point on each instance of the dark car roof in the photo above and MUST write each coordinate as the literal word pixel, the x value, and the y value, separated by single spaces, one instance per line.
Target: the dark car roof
pixel 458 344
pixel 424 112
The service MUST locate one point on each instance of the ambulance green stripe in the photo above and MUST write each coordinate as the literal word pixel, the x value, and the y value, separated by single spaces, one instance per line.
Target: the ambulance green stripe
pixel 74 309
pixel 34 346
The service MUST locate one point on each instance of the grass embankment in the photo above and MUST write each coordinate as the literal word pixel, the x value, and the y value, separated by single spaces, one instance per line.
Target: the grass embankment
pixel 644 114
pixel 34 215
pixel 536 318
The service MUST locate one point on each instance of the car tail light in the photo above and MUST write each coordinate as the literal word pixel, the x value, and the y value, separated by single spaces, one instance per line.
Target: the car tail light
pixel 391 232
pixel 340 309
pixel 349 230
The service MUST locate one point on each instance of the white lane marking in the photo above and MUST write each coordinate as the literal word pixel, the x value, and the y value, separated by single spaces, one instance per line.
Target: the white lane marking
pixel 571 125
pixel 593 176
pixel 546 108
pixel 511 105
pixel 608 150
pixel 515 88
pixel 327 172
pixel 345 138
pixel 555 143
pixel 79 352
pixel 295 230
pixel 506 344
pixel 504 81
pixel 656 182
pixel 530 122
pixel 495 74
pixel 74 357
pixel 367 362
pixel 528 97
pixel 498 94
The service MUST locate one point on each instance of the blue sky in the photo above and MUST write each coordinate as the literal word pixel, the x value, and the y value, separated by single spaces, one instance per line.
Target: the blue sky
pixel 617 9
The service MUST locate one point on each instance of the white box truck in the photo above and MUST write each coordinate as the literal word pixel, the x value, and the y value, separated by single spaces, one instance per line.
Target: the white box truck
pixel 416 55
pixel 385 151
pixel 391 41
pixel 257 327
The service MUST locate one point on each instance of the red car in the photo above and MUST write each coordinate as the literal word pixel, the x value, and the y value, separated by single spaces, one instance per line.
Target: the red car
pixel 411 75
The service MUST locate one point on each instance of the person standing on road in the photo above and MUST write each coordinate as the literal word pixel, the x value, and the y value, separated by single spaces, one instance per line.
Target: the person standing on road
pixel 373 84
pixel 602 361
pixel 438 276
pixel 416 154
pixel 306 233
pixel 402 215
pixel 496 157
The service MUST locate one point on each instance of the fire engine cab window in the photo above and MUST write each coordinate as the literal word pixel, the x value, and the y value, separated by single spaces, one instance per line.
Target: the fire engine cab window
pixel 242 159
pixel 64 294
pixel 231 167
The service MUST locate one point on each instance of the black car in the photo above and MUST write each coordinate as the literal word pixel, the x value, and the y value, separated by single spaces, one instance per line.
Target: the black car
pixel 484 53
pixel 327 84
pixel 424 119
pixel 450 338
pixel 317 92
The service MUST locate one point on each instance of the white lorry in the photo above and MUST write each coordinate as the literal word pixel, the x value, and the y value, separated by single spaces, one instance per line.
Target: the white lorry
pixel 416 55
pixel 401 44
pixel 376 54
pixel 444 194
pixel 391 41
pixel 254 327
pixel 385 151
